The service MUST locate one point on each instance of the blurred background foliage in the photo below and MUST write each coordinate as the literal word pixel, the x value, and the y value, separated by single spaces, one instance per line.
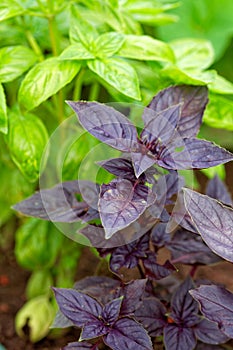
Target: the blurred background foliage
pixel 105 50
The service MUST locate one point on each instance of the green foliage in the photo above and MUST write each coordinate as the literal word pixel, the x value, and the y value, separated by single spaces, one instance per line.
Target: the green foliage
pixel 3 111
pixel 26 140
pixel 219 112
pixel 14 61
pixel 37 244
pixel 38 314
pixel 44 80
pixel 39 283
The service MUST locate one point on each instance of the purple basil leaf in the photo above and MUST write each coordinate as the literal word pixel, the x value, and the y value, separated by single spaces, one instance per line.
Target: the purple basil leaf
pixel 159 236
pixel 158 211
pixel 218 190
pixel 111 310
pixel 121 167
pixel 134 231
pixel 132 293
pixel 93 329
pixel 96 236
pixel 179 338
pixel 99 287
pixel 193 100
pixel 152 315
pixel 188 248
pixel 61 321
pixel 106 124
pixel 128 334
pixel 121 203
pixel 80 346
pixel 193 154
pixel 142 159
pixel 181 216
pixel 184 307
pixel 60 204
pixel 213 220
pixel 159 130
pixel 129 254
pixel 156 271
pixel 168 185
pixel 216 304
pixel 208 332
pixel 77 307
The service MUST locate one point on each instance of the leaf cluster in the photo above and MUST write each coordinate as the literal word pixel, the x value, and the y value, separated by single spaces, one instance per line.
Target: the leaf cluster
pixel 131 219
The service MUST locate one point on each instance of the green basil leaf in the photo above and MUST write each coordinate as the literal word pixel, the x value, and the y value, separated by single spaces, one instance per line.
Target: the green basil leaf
pixel 219 112
pixel 10 8
pixel 108 43
pixel 148 11
pixel 39 283
pixel 144 47
pixel 3 111
pixel 37 244
pixel 14 61
pixel 80 29
pixel 37 314
pixel 76 52
pixel 193 53
pixel 45 80
pixel 191 77
pixel 26 141
pixel 13 188
pixel 221 86
pixel 118 74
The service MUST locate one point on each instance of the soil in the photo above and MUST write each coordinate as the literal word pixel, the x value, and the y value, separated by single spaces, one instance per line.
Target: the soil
pixel 13 280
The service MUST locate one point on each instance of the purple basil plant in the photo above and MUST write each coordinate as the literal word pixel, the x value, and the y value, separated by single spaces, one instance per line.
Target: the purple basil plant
pixel 144 209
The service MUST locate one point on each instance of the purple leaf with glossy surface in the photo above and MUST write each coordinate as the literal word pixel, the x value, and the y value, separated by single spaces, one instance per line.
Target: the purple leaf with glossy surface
pixel 179 338
pixel 130 254
pixel 193 153
pixel 61 321
pixel 160 129
pixel 106 124
pixel 155 271
pixel 121 167
pixel 218 190
pixel 180 216
pixel 121 203
pixel 100 287
pixel 132 293
pixel 193 100
pixel 142 160
pixel 216 304
pixel 213 220
pixel 111 310
pixel 128 334
pixel 168 185
pixel 93 329
pixel 77 307
pixel 184 308
pixel 188 248
pixel 152 315
pixel 208 332
pixel 60 204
